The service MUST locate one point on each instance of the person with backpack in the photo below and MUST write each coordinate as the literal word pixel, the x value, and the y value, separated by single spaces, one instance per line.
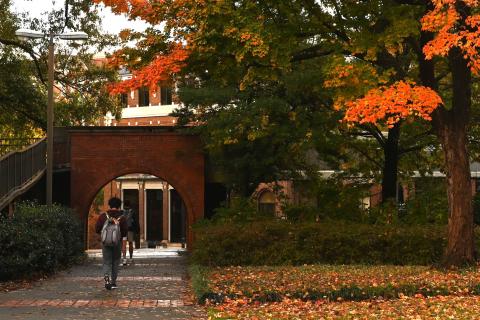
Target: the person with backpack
pixel 133 229
pixel 112 228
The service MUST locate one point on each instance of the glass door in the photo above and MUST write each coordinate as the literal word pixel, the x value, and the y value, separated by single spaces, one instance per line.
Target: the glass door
pixel 154 206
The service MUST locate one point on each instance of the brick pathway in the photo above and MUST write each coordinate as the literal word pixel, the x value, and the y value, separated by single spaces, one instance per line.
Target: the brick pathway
pixel 154 288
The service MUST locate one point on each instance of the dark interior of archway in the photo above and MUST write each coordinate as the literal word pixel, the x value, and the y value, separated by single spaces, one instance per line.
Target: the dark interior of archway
pixel 157 206
pixel 178 218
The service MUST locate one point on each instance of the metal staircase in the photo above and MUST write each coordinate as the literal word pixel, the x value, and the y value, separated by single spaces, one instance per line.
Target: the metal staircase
pixel 19 170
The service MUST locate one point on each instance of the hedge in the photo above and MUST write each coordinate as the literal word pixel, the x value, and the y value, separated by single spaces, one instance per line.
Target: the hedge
pixel 350 293
pixel 38 240
pixel 283 243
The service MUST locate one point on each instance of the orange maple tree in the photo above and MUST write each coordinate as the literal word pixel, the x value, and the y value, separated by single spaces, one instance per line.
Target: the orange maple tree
pixel 165 64
pixel 444 20
pixel 185 23
pixel 393 103
pixel 160 69
pixel 403 99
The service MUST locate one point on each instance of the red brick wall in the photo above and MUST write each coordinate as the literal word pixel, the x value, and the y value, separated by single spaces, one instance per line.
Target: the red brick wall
pixel 155 96
pixel 133 102
pixel 283 191
pixel 375 195
pixel 99 156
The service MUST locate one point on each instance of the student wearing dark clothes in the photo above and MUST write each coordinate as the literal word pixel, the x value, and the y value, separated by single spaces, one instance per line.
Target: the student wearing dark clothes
pixel 133 229
pixel 112 254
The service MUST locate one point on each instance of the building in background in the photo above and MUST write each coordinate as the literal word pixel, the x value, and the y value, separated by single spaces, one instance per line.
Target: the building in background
pixel 158 207
pixel 146 106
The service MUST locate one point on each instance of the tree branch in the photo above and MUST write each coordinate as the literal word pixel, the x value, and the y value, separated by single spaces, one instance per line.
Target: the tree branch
pixel 376 133
pixel 411 2
pixel 309 53
pixel 369 158
pixel 417 147
pixel 40 122
pixel 30 52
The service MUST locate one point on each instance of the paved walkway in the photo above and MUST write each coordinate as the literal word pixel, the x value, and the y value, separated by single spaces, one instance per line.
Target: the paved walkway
pixel 154 287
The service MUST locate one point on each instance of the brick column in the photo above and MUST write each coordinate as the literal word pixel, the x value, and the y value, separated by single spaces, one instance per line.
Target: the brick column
pixel 166 196
pixel 141 209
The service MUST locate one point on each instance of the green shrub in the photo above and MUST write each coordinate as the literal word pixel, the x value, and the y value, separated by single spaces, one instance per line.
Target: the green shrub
pixel 327 199
pixel 347 293
pixel 296 213
pixel 199 276
pixel 38 239
pixel 476 208
pixel 429 203
pixel 278 242
pixel 240 210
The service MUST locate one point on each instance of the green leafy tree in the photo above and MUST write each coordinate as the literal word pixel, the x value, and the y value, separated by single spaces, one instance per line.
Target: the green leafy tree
pixel 81 97
pixel 245 53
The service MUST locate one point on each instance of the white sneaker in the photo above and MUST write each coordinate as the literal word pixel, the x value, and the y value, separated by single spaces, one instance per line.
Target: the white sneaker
pixel 124 261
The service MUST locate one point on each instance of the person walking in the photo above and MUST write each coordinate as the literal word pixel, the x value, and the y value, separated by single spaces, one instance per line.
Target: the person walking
pixel 133 229
pixel 113 228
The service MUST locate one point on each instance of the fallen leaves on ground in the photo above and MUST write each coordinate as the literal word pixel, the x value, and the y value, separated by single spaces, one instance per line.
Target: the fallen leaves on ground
pixel 241 288
pixel 407 308
pixel 248 281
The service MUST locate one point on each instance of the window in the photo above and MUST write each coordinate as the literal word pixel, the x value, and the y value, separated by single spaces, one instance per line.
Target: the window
pixel 477 185
pixel 365 203
pixel 266 202
pixel 124 100
pixel 143 97
pixel 166 95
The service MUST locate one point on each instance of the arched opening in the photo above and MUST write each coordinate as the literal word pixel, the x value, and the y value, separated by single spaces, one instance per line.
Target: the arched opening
pixel 266 202
pixel 157 206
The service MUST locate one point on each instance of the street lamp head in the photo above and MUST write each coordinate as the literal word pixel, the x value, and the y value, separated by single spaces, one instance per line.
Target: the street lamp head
pixel 73 36
pixel 24 34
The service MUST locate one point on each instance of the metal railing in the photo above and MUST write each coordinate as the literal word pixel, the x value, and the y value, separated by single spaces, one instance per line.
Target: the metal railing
pixel 19 169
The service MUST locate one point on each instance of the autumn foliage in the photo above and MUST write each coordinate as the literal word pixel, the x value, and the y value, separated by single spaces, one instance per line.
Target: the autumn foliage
pixel 187 23
pixel 160 69
pixel 166 63
pixel 343 292
pixel 392 103
pixel 453 30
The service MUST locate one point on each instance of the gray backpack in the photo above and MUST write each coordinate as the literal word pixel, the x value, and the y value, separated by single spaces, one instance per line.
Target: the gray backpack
pixel 111 232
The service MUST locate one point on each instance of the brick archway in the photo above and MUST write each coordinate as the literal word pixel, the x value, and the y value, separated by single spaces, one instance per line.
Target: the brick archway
pixel 99 155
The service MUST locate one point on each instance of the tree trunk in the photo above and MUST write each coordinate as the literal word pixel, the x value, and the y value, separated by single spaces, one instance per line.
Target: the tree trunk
pixel 453 135
pixel 450 126
pixel 390 165
pixel 461 245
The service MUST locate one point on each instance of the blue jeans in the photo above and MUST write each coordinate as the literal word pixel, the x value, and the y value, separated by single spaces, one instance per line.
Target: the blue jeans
pixel 111 261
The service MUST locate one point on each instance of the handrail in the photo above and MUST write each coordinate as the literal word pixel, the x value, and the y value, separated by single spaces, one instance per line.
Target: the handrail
pixel 20 169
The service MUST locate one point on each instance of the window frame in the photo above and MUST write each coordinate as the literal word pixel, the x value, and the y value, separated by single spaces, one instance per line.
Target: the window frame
pixel 143 97
pixel 166 95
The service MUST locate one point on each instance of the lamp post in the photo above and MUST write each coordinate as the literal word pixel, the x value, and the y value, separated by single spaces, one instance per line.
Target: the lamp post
pixel 24 34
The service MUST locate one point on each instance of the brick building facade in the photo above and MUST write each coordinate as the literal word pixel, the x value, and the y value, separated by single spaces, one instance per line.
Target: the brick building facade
pixel 158 207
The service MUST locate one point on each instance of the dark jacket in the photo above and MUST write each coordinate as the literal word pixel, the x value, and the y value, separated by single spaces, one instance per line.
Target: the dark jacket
pixel 131 220
pixel 117 214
